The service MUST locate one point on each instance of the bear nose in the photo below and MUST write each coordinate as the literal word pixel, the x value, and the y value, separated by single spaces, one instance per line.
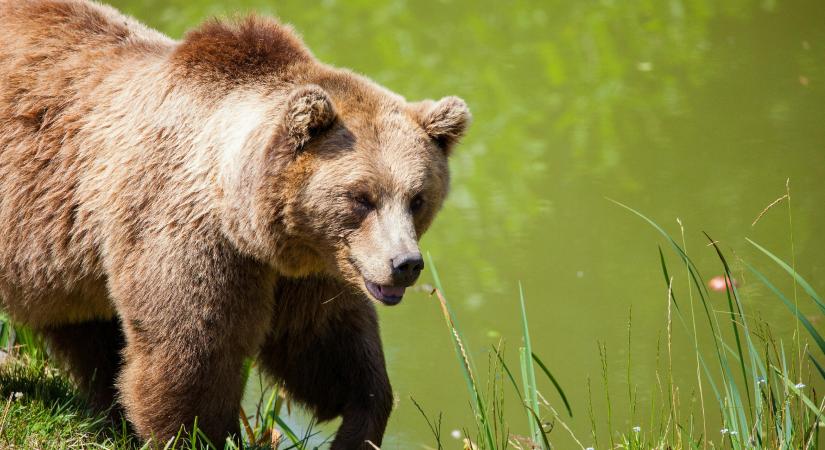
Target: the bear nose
pixel 406 268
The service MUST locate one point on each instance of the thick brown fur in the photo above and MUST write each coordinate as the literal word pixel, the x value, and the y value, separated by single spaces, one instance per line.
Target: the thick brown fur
pixel 169 208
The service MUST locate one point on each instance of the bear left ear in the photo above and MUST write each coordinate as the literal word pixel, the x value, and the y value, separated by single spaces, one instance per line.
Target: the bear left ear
pixel 445 120
pixel 309 112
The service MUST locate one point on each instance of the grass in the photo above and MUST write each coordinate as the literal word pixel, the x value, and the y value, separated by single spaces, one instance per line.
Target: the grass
pixel 491 429
pixel 760 390
pixel 41 409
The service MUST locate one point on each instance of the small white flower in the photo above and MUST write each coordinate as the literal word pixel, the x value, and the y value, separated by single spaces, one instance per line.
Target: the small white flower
pixel 799 385
pixel 733 433
pixel 761 380
pixel 455 434
pixel 18 395
pixel 637 429
pixel 724 431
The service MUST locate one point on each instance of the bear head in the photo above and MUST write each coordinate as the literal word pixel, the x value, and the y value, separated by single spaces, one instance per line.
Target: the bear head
pixel 368 172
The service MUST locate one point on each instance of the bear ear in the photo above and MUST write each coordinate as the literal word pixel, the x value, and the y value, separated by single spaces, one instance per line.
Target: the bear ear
pixel 445 120
pixel 309 112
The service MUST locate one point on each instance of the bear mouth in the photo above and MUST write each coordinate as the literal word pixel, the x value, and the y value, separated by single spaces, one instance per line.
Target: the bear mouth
pixel 388 295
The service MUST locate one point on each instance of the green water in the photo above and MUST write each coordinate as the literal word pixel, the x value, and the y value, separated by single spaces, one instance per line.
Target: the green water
pixel 694 109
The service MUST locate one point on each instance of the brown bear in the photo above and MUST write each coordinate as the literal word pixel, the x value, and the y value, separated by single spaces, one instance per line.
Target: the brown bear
pixel 170 208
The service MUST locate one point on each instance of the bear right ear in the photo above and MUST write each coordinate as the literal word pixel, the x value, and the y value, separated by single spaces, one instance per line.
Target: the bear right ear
pixel 445 121
pixel 309 111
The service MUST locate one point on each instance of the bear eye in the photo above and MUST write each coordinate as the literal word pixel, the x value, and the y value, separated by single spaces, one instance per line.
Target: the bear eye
pixel 416 203
pixel 362 203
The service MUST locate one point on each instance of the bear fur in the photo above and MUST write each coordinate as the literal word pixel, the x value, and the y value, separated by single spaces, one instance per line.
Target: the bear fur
pixel 170 208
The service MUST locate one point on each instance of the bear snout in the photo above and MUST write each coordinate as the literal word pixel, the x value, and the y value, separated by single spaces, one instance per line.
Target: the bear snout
pixel 406 268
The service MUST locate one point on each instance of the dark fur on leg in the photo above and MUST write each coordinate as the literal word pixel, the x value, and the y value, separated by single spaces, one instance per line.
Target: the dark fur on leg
pixel 325 346
pixel 91 352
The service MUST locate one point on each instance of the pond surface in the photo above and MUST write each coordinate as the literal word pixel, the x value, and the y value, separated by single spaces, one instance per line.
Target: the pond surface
pixel 694 109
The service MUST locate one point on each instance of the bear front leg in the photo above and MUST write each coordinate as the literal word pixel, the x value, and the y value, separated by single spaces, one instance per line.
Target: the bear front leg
pixel 325 346
pixel 190 320
pixel 174 383
pixel 91 352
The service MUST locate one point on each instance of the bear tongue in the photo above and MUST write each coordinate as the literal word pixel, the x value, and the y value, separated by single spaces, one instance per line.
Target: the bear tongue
pixel 392 291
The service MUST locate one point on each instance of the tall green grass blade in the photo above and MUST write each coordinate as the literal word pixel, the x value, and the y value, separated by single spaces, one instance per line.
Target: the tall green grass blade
pixel 528 370
pixel 820 342
pixel 555 383
pixel 479 407
pixel 454 335
pixel 782 373
pixel 736 311
pixel 435 426
pixel 5 332
pixel 528 398
pixel 290 434
pixel 531 414
pixel 801 281
pixel 507 371
pixel 202 441
pixel 543 441
pixel 787 428
pixel 667 276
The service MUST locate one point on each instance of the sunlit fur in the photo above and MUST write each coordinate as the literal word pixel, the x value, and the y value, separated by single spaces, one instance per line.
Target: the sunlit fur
pixel 193 202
